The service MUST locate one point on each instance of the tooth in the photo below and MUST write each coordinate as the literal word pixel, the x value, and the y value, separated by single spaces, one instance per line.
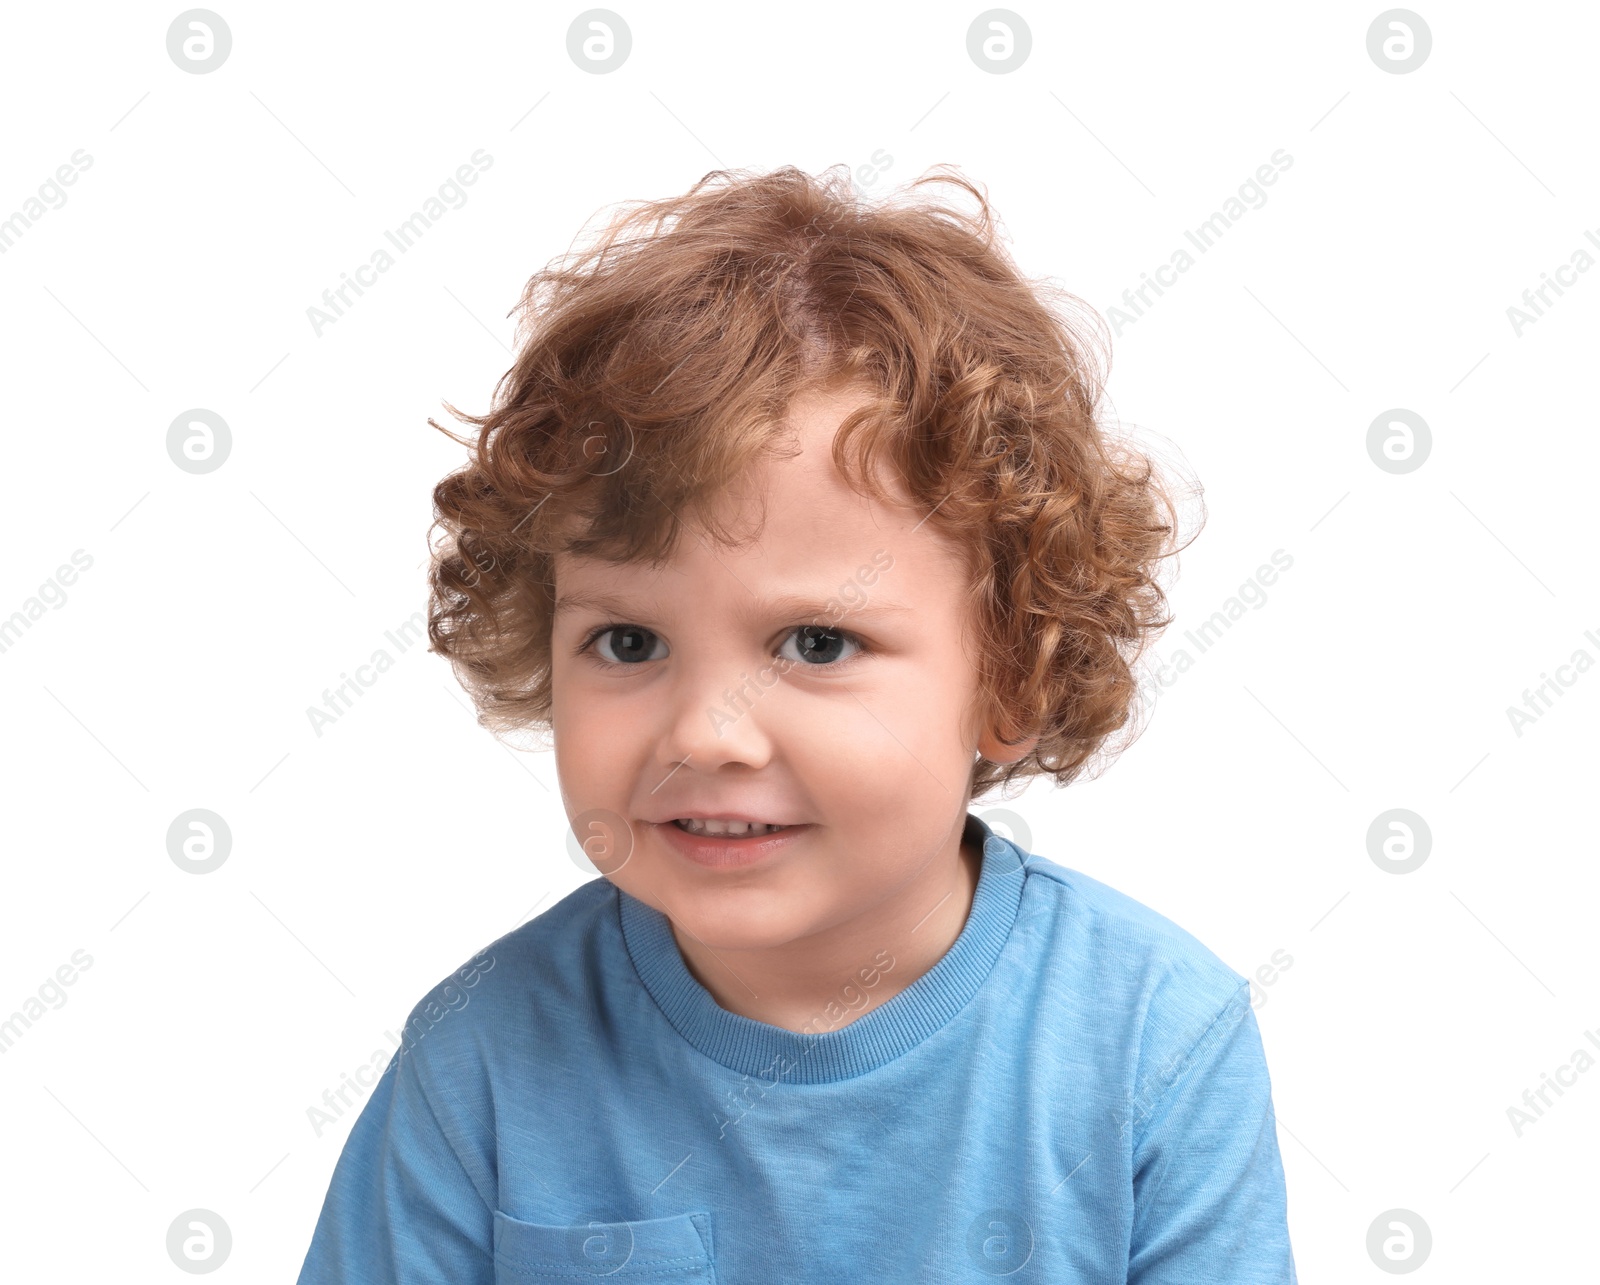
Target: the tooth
pixel 730 829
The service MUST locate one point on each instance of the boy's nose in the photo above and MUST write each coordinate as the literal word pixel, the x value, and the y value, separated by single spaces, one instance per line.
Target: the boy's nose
pixel 719 713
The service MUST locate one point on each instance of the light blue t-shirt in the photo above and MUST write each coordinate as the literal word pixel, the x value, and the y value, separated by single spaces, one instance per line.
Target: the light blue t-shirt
pixel 1075 1093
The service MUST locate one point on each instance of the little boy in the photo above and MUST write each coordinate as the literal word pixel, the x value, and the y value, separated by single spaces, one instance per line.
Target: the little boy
pixel 795 525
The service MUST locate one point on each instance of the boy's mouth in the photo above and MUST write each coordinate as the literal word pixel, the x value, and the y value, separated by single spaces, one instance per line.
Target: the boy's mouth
pixel 726 829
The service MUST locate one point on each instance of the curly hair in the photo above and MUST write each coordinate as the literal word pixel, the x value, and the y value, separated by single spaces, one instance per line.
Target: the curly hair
pixel 654 368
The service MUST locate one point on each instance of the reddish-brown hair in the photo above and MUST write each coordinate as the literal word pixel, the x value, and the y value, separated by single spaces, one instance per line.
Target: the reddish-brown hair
pixel 654 368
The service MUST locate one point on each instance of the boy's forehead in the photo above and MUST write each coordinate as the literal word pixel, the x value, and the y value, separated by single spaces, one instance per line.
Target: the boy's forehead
pixel 904 573
pixel 797 514
pixel 790 522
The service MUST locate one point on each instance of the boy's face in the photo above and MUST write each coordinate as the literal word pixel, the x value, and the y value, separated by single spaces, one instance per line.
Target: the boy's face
pixel 716 703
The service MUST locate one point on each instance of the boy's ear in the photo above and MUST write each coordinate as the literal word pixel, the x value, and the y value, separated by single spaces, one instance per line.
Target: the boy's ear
pixel 996 751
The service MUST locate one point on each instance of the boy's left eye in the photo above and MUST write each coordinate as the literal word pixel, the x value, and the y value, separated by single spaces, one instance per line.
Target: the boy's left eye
pixel 818 644
pixel 815 645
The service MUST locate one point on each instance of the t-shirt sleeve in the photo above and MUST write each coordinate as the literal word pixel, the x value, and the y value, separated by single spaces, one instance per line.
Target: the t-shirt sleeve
pixel 1208 1188
pixel 401 1209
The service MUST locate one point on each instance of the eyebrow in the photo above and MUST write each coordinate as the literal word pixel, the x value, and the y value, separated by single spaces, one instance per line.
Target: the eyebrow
pixel 780 605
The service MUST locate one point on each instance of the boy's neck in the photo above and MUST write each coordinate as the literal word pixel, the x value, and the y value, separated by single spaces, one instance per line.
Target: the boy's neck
pixel 796 984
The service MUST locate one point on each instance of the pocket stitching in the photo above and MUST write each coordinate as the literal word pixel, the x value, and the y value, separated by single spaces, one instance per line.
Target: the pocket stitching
pixel 690 1261
pixel 671 1265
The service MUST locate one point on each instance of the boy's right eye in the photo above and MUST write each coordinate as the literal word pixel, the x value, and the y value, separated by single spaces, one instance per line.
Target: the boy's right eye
pixel 632 645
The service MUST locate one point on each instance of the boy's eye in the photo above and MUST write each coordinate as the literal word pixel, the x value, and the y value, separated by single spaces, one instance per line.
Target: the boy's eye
pixel 816 645
pixel 632 644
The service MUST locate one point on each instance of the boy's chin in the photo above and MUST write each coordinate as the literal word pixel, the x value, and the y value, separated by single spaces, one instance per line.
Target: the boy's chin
pixel 730 927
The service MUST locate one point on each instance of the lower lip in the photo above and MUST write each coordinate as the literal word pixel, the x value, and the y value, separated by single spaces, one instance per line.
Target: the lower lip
pixel 721 853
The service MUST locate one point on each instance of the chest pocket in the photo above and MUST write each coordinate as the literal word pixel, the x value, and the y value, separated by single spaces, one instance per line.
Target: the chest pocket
pixel 675 1249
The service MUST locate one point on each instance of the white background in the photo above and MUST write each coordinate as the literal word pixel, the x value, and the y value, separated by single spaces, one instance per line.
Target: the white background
pixel 369 861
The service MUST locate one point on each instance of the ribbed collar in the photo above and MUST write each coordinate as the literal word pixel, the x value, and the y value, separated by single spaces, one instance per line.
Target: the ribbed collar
pixel 883 1034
